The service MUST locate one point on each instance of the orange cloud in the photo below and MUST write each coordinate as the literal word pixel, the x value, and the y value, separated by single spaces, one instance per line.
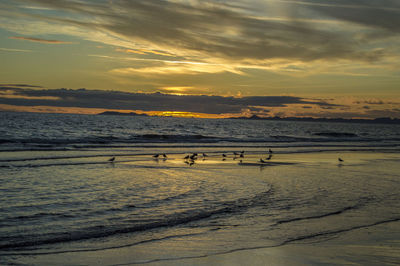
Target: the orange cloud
pixel 142 51
pixel 129 51
pixel 31 39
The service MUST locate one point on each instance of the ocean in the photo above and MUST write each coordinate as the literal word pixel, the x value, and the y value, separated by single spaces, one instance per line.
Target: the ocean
pixel 60 194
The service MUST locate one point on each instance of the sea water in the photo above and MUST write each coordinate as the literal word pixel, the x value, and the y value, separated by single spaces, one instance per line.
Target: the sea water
pixel 60 195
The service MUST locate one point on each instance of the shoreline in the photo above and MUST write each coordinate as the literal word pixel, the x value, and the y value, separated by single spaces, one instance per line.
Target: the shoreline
pixel 370 245
pixel 369 240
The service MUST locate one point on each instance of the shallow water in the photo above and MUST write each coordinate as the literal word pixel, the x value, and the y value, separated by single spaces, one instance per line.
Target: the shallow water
pixel 63 199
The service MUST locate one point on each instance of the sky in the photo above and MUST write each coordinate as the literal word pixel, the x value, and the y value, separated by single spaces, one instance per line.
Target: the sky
pixel 211 58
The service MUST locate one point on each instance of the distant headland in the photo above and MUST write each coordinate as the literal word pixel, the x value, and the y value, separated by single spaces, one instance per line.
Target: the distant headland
pixel 381 120
pixel 120 113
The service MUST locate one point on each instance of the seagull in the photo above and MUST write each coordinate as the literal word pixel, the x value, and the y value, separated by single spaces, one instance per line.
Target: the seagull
pixel 156 155
pixel 186 157
pixel 224 155
pixel 241 155
pixel 164 155
pixel 111 159
pixel 269 157
pixel 193 156
pixel 340 159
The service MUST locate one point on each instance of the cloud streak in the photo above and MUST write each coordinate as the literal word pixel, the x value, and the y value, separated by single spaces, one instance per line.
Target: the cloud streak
pixel 14 50
pixel 384 14
pixel 31 39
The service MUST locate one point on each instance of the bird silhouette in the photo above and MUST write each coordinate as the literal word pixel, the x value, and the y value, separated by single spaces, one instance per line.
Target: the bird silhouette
pixel 186 157
pixel 164 155
pixel 340 159
pixel 270 151
pixel 262 161
pixel 269 157
pixel 204 155
pixel 224 155
pixel 111 159
pixel 156 155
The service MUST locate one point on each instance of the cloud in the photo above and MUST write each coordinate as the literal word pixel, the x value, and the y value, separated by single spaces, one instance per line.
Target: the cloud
pixel 141 51
pixel 146 102
pixel 14 50
pixel 31 39
pixel 176 67
pixel 10 85
pixel 383 14
pixel 394 113
pixel 218 31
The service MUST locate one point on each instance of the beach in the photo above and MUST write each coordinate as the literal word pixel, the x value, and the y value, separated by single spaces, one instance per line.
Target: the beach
pixel 63 201
pixel 176 132
pixel 326 212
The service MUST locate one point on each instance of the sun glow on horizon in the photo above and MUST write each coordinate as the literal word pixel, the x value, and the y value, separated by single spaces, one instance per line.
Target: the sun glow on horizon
pixel 202 58
pixel 184 114
pixel 180 91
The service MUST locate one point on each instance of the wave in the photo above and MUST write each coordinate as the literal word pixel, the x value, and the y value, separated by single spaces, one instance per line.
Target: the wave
pixel 173 137
pixel 317 216
pixel 46 142
pixel 100 141
pixel 334 232
pixel 336 134
pixel 104 248
pixel 101 231
pixel 362 201
pixel 286 242
pixel 142 155
pixel 33 217
pixel 35 162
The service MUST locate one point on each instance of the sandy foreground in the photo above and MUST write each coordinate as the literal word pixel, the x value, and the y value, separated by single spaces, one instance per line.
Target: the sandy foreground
pixel 375 244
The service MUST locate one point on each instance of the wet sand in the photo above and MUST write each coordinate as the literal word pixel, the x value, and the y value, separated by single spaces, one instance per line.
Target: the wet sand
pixel 371 243
pixel 374 245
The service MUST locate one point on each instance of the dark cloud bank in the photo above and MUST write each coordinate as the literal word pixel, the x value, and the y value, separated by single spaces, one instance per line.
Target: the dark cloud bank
pixel 145 102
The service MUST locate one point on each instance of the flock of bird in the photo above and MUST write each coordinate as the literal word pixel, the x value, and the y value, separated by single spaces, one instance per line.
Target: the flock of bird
pixel 190 159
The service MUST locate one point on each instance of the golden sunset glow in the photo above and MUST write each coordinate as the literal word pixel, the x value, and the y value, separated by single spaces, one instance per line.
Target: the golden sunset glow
pixel 183 114
pixel 177 90
pixel 192 132
pixel 308 50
